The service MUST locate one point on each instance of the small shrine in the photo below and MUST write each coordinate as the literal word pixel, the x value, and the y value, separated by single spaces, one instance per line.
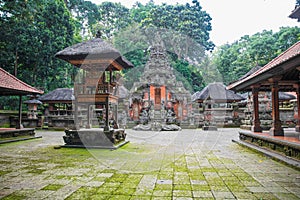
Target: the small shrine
pixel 158 99
pixel 95 94
pixel 58 108
pixel 217 106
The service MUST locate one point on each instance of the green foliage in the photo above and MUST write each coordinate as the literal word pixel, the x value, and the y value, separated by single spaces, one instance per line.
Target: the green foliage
pixel 236 59
pixel 31 37
pixel 187 19
pixel 113 17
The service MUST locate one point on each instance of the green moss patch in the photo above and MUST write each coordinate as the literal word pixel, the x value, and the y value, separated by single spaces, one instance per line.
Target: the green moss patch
pixel 53 187
pixel 14 196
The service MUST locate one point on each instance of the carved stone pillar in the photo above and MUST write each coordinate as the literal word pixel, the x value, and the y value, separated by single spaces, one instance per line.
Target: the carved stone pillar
pixel 256 122
pixel 298 107
pixel 106 126
pixel 88 125
pixel 276 129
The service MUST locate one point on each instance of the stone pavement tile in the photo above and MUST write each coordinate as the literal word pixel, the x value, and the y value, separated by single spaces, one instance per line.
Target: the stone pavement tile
pixel 162 198
pixel 106 175
pixel 94 183
pixel 251 183
pixel 64 192
pixel 148 182
pixel 140 198
pixel 124 191
pixel 60 181
pixel 162 193
pixel 287 184
pixel 223 195
pixel 163 187
pixel 164 181
pixel 119 197
pixel 294 190
pixel 201 188
pixel 40 194
pixel 143 192
pixel 276 189
pixel 285 196
pixel 182 193
pixel 265 195
pixel 182 187
pixel 182 198
pixel 216 188
pixel 203 194
pixel 256 189
pixel 245 195
pixel 5 192
pixel 199 182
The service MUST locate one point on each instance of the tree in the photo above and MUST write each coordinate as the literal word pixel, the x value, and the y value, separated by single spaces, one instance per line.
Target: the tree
pixel 31 37
pixel 187 19
pixel 113 18
pixel 86 14
pixel 236 59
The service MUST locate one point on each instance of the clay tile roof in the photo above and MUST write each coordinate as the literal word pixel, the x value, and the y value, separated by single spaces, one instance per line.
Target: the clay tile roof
pixel 290 53
pixel 59 95
pixel 217 92
pixel 11 85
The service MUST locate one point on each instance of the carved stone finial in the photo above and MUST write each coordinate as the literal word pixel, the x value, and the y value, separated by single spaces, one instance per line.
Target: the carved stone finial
pixel 98 34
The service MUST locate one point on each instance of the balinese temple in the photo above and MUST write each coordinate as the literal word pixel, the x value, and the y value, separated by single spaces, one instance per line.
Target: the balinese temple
pixel 280 75
pixel 58 112
pixel 12 86
pixel 158 96
pixel 217 106
pixel 95 92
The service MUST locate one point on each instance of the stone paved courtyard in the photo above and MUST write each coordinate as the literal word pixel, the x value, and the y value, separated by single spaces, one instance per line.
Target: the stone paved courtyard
pixel 188 164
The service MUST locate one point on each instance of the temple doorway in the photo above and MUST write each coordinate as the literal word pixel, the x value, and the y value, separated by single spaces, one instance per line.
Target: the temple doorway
pixel 157 98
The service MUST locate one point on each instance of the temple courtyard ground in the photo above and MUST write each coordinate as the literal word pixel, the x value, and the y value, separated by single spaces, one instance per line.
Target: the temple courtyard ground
pixel 187 164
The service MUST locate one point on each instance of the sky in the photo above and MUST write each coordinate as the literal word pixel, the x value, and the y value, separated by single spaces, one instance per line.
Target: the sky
pixel 232 19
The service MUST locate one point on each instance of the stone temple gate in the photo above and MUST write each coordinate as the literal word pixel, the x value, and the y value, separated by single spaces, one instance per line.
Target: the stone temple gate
pixel 158 96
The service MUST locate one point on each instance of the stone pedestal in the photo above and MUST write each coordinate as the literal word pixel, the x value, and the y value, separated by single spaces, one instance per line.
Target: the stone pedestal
pixel 95 138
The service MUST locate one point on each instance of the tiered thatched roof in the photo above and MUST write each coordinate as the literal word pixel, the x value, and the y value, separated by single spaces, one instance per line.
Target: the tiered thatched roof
pixel 93 51
pixel 217 92
pixel 59 95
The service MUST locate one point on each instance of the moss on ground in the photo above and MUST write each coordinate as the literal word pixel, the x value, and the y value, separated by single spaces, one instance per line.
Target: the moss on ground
pixel 53 187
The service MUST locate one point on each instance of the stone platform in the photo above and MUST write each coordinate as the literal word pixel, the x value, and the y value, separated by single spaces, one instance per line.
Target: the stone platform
pixel 95 138
pixel 13 135
pixel 287 145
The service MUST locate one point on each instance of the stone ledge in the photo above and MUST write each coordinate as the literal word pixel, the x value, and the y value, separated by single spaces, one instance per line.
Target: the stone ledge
pixel 276 156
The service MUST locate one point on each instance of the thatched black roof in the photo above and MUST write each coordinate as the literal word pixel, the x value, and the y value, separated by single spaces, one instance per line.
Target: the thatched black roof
pixel 33 101
pixel 254 69
pixel 122 92
pixel 283 96
pixel 59 95
pixel 217 92
pixel 93 49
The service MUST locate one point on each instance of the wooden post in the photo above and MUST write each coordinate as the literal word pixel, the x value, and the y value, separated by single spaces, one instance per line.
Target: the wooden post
pixel 19 125
pixel 297 86
pixel 256 122
pixel 88 116
pixel 276 129
pixel 106 127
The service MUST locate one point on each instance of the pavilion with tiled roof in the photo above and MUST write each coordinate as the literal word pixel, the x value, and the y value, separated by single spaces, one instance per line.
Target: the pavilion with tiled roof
pixel 282 73
pixel 12 86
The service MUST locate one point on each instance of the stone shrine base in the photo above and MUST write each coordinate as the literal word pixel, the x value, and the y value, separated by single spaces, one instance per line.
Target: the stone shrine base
pixel 210 128
pixel 13 135
pixel 95 138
